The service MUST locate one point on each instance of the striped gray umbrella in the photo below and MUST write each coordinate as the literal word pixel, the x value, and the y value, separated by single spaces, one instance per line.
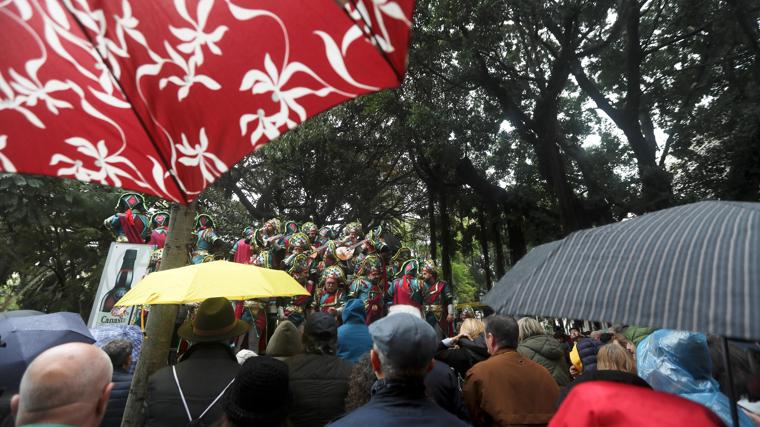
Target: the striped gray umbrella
pixel 692 267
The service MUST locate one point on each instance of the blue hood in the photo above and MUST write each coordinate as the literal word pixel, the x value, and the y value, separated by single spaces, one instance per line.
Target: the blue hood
pixel 353 312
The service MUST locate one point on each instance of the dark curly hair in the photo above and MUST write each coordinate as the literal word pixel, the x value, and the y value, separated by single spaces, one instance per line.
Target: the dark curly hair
pixel 360 383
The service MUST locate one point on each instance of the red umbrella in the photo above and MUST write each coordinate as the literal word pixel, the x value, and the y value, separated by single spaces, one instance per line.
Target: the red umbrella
pixel 163 97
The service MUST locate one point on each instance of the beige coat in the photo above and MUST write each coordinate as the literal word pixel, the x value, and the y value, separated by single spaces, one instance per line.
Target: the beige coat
pixel 509 390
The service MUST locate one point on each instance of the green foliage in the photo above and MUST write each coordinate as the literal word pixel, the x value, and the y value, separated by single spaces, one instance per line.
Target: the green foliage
pixel 464 284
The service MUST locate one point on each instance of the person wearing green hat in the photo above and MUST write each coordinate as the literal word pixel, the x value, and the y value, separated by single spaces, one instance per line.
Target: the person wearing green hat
pixel 190 391
pixel 407 289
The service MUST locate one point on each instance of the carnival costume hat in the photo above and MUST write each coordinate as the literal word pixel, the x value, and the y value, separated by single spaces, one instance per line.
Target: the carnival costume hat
pixel 374 239
pixel 260 394
pixel 355 227
pixel 248 232
pixel 334 271
pixel 326 233
pixel 291 227
pixel 410 268
pixel 331 251
pixel 306 227
pixel 160 219
pixel 402 254
pixel 214 321
pixel 133 201
pixel 264 259
pixel 204 221
pixel 430 266
pixel 275 223
pixel 300 264
pixel 370 264
pixel 299 240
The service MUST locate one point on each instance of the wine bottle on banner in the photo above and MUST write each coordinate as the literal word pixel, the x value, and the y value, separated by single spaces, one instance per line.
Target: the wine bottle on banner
pixel 123 280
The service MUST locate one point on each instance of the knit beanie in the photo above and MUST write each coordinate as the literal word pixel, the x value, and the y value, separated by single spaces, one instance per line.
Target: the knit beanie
pixel 260 394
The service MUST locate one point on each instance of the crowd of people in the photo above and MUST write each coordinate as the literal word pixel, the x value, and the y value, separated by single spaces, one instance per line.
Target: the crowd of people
pixel 397 371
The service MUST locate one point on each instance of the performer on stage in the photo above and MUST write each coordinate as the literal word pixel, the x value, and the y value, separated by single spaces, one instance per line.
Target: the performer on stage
pixel 332 293
pixel 367 287
pixel 298 243
pixel 325 234
pixel 159 223
pixel 206 238
pixel 299 307
pixel 310 229
pixel 129 224
pixel 394 268
pixel 407 289
pixel 241 251
pixel 437 300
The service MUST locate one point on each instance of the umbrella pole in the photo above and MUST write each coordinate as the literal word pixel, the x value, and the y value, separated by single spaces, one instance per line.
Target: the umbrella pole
pixel 731 392
pixel 158 333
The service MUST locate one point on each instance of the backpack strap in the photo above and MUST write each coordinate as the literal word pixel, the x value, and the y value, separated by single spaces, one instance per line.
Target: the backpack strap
pixel 184 401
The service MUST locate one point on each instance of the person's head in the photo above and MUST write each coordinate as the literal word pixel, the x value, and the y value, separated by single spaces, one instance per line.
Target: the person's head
pixel 214 322
pixel 331 284
pixel 623 341
pixel 596 335
pixel 575 333
pixel 67 384
pixel 472 327
pixel 405 308
pixel 502 333
pixel 403 347
pixel 360 383
pixel 614 357
pixel 120 353
pixel 260 394
pixel 320 334
pixel 529 327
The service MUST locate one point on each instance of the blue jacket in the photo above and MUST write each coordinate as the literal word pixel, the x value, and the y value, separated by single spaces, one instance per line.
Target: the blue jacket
pixel 397 404
pixel 353 334
pixel 587 349
pixel 118 399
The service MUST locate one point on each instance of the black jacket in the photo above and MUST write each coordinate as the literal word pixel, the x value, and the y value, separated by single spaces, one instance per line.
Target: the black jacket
pixel 443 387
pixel 204 371
pixel 464 357
pixel 396 404
pixel 121 380
pixel 319 384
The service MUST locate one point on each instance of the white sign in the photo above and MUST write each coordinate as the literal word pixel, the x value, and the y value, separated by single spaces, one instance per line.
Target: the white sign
pixel 126 264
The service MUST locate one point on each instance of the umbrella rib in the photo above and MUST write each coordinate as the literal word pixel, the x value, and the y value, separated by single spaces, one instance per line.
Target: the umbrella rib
pixel 374 37
pixel 131 105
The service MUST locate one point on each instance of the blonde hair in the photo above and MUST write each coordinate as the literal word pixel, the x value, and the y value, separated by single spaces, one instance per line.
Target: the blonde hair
pixel 614 357
pixel 529 327
pixel 472 327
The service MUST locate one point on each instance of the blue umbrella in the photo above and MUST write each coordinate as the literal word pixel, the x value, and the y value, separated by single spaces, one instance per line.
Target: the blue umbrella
pixel 26 337
pixel 106 333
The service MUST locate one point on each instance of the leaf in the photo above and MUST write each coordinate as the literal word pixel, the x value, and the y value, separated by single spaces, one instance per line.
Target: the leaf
pixel 184 34
pixel 56 11
pixel 336 61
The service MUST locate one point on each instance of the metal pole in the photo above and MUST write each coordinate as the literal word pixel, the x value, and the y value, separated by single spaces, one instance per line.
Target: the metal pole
pixel 731 392
pixel 158 332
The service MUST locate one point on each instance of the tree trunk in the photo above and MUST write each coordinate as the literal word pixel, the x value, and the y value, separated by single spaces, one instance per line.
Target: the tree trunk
pixel 445 236
pixel 158 333
pixel 497 244
pixel 515 239
pixel 431 218
pixel 484 247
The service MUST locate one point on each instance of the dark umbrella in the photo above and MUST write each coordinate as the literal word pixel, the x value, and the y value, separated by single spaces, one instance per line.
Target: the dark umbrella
pixel 692 267
pixel 26 337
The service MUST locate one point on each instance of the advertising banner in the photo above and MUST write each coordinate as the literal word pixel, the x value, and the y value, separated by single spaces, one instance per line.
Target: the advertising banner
pixel 126 264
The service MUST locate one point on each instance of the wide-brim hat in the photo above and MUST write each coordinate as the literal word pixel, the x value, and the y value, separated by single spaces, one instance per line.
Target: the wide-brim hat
pixel 214 321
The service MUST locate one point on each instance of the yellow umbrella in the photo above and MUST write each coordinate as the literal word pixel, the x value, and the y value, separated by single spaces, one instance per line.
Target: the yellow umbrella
pixel 195 283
